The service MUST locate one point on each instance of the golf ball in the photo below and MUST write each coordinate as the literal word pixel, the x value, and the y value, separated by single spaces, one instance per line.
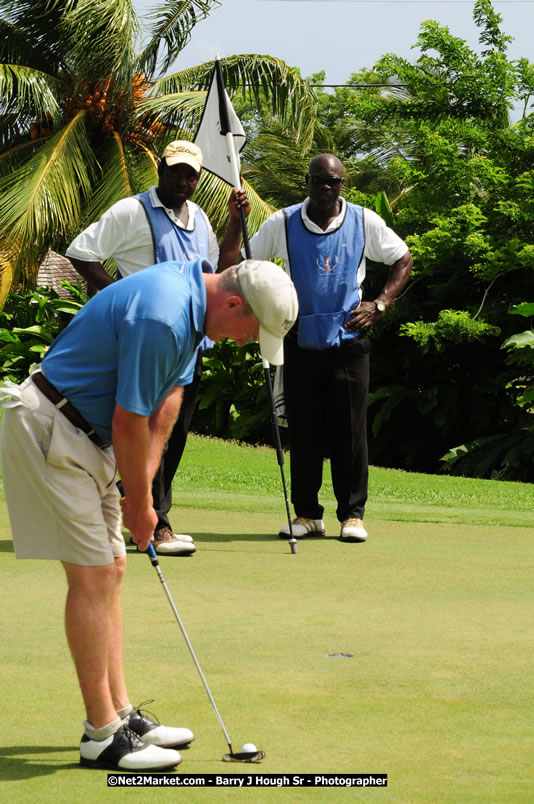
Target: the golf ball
pixel 249 748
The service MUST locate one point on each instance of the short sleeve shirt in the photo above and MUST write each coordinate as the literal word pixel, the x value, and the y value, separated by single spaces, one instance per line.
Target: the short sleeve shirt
pixel 131 343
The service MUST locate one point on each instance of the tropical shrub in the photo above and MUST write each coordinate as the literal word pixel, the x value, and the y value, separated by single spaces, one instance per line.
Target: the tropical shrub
pixel 29 322
pixel 507 455
pixel 464 203
pixel 233 401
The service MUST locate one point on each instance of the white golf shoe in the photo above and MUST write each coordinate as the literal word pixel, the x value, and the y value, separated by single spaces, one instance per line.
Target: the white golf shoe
pixel 124 750
pixel 153 733
pixel 352 530
pixel 167 543
pixel 303 528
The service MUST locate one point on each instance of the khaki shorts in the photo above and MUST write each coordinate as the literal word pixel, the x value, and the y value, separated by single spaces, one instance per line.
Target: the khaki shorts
pixel 60 487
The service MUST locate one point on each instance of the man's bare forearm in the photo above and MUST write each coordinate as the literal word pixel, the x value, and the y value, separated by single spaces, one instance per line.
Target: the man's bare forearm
pixel 138 443
pixel 160 425
pixel 230 246
pixel 367 312
pixel 93 271
pixel 131 445
pixel 229 252
pixel 397 279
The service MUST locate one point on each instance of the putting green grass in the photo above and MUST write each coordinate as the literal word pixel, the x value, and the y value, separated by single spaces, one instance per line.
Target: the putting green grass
pixel 435 610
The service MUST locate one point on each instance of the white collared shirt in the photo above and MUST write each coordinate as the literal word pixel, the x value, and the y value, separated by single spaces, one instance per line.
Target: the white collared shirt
pixel 381 243
pixel 123 232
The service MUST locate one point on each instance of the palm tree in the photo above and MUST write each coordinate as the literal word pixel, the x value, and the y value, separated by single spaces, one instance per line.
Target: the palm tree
pixel 84 113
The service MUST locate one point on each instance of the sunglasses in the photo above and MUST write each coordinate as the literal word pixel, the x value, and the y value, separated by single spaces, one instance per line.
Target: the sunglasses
pixel 332 181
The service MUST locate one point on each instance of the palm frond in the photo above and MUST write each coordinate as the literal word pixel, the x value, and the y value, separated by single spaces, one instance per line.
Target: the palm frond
pixel 144 169
pixel 276 163
pixel 180 110
pixel 40 199
pixel 264 77
pixel 27 93
pixel 34 38
pixel 212 195
pixel 14 45
pixel 14 156
pixel 124 173
pixel 170 32
pixel 101 36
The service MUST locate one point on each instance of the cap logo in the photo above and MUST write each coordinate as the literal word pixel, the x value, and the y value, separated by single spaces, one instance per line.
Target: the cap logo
pixel 186 151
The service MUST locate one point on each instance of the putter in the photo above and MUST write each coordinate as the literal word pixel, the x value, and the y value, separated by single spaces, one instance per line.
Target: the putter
pixel 247 756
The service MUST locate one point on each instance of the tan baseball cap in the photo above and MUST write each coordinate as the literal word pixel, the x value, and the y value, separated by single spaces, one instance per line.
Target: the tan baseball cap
pixel 272 296
pixel 183 152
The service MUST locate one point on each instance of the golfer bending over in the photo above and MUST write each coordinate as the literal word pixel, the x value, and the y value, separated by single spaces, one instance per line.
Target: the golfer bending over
pixel 104 400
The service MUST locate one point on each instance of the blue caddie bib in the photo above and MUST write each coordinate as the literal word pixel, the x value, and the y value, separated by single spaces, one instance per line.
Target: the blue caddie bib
pixel 324 269
pixel 171 243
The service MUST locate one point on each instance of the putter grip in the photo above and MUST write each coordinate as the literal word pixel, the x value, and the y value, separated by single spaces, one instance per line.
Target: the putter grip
pixel 151 552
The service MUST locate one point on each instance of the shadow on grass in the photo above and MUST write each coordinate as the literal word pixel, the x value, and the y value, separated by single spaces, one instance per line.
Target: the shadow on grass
pixel 6 546
pixel 224 538
pixel 204 539
pixel 18 762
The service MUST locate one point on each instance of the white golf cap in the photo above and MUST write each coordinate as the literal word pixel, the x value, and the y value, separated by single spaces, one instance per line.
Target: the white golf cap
pixel 183 152
pixel 272 296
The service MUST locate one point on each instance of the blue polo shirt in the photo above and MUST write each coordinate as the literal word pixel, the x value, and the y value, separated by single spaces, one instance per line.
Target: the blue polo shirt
pixel 131 343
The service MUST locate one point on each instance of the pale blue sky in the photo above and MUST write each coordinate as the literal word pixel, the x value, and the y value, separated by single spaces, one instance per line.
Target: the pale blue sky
pixel 341 36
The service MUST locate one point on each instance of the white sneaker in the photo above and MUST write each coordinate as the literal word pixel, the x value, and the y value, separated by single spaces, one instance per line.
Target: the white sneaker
pixel 183 537
pixel 167 543
pixel 124 750
pixel 153 733
pixel 352 530
pixel 303 527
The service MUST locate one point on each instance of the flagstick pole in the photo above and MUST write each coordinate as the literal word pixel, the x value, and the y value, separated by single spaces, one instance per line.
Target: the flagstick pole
pixel 237 184
pixel 276 430
pixel 230 147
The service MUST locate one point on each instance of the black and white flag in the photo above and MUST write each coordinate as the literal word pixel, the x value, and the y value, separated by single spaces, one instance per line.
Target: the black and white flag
pixel 218 120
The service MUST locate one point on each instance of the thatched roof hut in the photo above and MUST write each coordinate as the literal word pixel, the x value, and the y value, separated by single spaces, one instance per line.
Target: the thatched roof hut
pixel 53 269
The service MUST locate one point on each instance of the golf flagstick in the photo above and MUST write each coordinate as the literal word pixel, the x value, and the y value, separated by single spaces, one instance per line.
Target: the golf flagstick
pixel 236 176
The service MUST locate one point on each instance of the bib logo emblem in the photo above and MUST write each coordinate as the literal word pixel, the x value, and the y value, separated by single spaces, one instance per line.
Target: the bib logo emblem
pixel 327 265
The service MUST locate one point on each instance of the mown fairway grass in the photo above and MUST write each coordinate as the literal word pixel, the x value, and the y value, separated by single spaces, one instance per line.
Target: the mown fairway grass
pixel 436 610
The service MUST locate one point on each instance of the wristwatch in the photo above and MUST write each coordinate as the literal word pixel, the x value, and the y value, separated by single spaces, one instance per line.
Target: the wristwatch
pixel 380 306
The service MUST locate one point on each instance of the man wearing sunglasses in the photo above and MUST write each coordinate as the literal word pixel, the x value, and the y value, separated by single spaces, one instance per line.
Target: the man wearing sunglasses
pixel 324 243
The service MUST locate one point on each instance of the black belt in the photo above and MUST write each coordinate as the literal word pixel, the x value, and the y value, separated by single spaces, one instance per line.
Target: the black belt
pixel 67 409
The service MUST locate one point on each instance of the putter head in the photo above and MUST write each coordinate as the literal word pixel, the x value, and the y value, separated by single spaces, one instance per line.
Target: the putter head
pixel 246 756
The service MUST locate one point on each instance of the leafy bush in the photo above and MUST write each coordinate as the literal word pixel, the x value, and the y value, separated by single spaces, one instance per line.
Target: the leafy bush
pixel 233 400
pixel 507 455
pixel 29 322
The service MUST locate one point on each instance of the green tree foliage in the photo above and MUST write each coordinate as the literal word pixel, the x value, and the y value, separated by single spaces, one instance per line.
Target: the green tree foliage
pixel 233 402
pixel 277 158
pixel 507 454
pixel 86 109
pixel 429 145
pixel 460 183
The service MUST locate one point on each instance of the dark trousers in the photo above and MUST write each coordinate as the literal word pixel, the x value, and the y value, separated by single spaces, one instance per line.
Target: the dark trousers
pixel 173 450
pixel 326 402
